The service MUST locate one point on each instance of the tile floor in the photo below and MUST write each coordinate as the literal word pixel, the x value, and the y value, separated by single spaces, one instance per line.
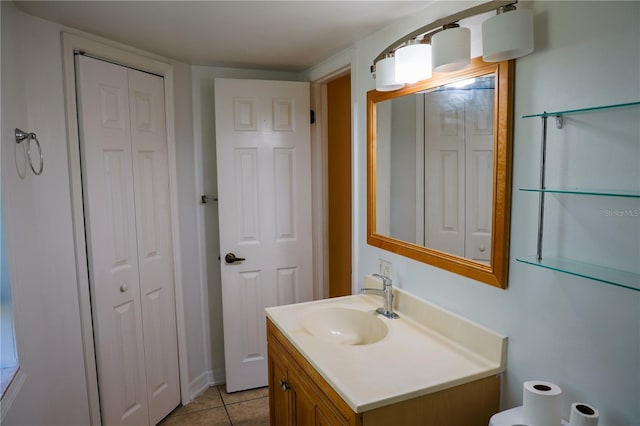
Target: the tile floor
pixel 216 407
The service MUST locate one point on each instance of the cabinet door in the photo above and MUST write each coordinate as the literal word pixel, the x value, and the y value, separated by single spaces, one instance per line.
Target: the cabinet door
pixel 279 404
pixel 309 403
pixel 322 419
pixel 302 402
pixel 295 398
pixel 290 402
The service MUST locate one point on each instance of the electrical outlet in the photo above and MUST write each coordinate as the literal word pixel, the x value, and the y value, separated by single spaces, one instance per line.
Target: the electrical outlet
pixel 385 267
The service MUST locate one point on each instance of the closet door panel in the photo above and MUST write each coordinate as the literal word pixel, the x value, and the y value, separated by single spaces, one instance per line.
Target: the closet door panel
pixel 444 173
pixel 155 255
pixel 479 184
pixel 110 223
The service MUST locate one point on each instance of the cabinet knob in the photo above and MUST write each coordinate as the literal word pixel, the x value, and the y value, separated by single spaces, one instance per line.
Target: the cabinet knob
pixel 284 385
pixel 123 288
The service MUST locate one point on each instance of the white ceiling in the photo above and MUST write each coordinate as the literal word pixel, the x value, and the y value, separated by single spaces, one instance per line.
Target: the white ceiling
pixel 285 35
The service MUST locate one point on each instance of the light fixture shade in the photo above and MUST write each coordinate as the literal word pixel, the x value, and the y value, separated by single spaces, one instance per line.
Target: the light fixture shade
pixel 413 63
pixel 386 75
pixel 451 49
pixel 507 35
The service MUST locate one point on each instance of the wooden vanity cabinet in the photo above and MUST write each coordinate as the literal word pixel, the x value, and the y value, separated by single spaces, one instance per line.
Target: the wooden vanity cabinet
pixel 299 396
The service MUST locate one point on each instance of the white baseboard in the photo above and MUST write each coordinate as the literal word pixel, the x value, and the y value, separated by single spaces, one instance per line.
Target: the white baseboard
pixel 204 381
pixel 199 385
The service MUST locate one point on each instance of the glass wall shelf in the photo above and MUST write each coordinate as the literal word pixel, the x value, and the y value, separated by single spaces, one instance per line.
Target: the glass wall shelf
pixel 603 274
pixel 581 110
pixel 597 192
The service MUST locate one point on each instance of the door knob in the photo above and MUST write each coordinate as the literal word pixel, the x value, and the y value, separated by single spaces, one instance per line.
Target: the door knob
pixel 231 258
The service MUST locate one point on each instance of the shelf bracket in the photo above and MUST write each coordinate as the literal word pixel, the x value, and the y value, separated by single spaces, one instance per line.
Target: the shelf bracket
pixel 559 121
pixel 543 165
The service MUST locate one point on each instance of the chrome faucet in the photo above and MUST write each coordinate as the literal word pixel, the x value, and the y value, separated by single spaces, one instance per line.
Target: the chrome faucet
pixel 387 296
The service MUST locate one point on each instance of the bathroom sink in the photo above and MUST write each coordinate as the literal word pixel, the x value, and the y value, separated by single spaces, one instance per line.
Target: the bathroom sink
pixel 345 341
pixel 345 326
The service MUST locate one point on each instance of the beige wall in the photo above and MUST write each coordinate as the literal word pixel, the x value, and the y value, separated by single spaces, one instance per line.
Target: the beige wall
pixel 582 335
pixel 578 333
pixel 37 213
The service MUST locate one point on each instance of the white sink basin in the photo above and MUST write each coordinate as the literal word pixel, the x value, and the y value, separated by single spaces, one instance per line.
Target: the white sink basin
pixel 344 341
pixel 345 326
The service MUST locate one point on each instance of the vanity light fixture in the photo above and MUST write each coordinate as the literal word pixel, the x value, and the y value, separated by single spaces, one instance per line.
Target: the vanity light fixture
pixel 508 35
pixel 386 75
pixel 451 48
pixel 413 61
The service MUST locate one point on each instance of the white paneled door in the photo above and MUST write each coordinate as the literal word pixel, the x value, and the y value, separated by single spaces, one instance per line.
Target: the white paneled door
pixel 459 172
pixel 126 203
pixel 264 190
pixel 478 129
pixel 445 173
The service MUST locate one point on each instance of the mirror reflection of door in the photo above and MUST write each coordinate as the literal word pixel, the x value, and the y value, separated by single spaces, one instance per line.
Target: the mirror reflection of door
pixel 435 168
pixel 459 169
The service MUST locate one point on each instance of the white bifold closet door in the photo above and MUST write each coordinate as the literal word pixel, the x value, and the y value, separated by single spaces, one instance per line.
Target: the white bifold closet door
pixel 128 232
pixel 459 172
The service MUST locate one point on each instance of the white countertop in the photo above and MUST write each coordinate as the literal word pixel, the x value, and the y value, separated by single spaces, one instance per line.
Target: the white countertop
pixel 427 350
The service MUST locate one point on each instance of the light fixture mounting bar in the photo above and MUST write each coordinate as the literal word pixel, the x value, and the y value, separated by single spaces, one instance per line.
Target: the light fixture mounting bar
pixel 472 11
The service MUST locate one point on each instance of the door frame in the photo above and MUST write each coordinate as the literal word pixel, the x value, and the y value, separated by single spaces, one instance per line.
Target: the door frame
pixel 128 57
pixel 319 76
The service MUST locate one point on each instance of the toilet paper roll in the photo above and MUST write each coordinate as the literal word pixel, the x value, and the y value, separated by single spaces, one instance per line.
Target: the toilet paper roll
pixel 583 415
pixel 541 404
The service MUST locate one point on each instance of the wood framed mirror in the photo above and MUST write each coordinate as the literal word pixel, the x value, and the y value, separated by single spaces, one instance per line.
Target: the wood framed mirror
pixel 439 170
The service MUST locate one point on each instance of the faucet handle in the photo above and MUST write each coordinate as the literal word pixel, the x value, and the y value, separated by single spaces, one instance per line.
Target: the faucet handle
pixel 386 281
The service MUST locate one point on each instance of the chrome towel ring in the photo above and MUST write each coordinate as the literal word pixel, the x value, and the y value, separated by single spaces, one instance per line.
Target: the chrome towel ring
pixel 30 136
